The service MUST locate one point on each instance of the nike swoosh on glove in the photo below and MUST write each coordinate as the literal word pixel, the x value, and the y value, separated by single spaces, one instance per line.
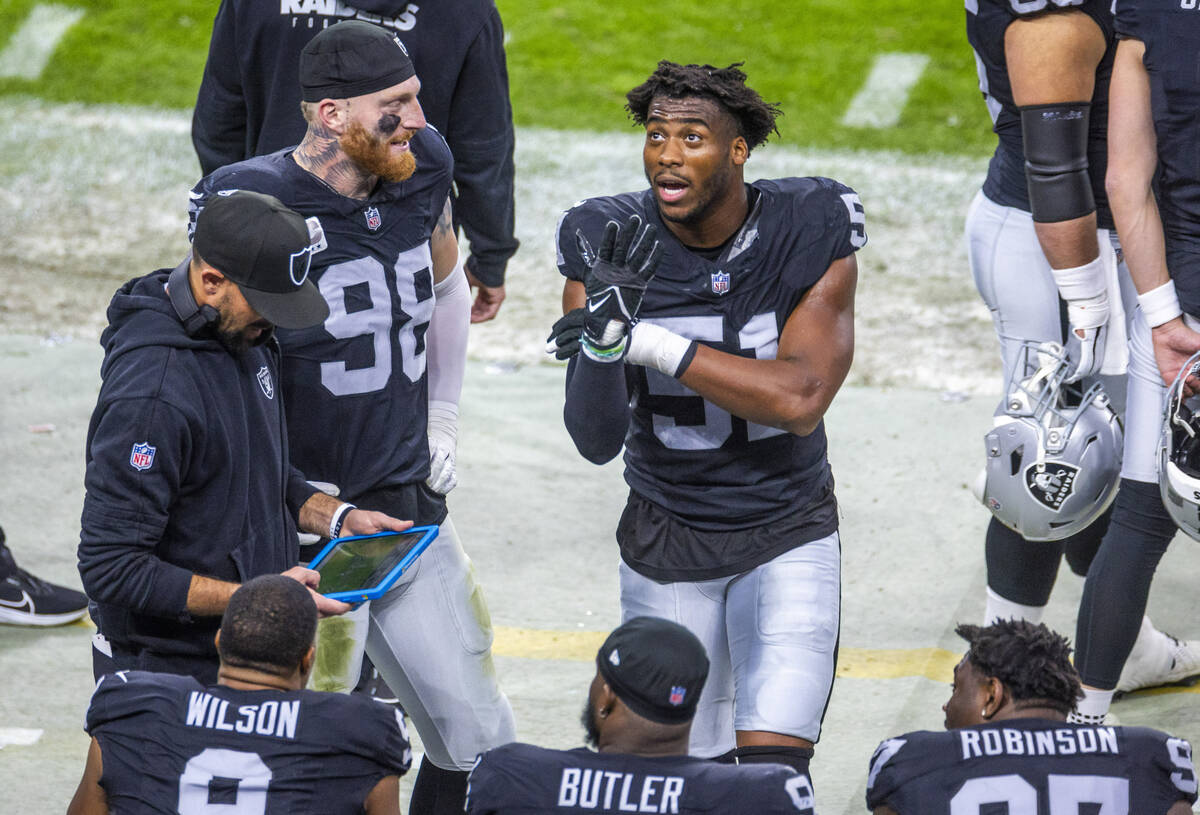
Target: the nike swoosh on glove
pixel 616 281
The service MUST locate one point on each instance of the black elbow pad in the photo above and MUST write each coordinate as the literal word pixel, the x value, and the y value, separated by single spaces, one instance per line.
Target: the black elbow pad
pixel 1056 160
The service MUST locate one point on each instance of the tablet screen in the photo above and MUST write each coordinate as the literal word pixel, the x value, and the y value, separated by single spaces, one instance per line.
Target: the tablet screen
pixel 361 563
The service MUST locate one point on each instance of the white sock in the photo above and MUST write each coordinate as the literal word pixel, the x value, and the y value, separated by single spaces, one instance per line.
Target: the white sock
pixel 999 608
pixel 1092 708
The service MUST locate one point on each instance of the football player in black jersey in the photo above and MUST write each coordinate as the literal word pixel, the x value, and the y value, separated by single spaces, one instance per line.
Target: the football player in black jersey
pixel 1044 258
pixel 1154 187
pixel 743 336
pixel 639 711
pixel 1007 746
pixel 254 743
pixel 372 393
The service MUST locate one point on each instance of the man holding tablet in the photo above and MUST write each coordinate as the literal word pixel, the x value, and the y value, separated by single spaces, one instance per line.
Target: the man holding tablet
pixel 255 741
pixel 190 490
pixel 372 391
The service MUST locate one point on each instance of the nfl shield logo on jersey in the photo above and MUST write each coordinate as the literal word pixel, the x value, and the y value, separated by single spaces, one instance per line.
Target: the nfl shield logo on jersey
pixel 720 282
pixel 374 220
pixel 677 694
pixel 142 456
pixel 264 382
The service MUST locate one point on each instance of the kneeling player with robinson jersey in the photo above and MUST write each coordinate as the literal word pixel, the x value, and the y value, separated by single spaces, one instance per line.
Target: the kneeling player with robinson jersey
pixel 1008 747
pixel 638 715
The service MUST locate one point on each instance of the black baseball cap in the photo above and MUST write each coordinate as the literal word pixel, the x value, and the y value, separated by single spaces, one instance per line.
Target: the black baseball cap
pixel 352 58
pixel 656 667
pixel 264 247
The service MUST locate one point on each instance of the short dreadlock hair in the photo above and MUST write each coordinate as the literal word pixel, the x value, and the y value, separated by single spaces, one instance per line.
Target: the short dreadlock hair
pixel 269 625
pixel 1032 661
pixel 727 87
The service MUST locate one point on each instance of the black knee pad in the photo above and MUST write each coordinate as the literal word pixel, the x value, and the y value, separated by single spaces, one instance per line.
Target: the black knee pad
pixel 795 757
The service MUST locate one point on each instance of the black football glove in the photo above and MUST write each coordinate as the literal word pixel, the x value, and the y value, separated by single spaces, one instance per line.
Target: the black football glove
pixel 563 341
pixel 615 283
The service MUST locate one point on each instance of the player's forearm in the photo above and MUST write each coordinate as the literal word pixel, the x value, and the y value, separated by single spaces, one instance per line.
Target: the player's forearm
pixel 317 513
pixel 446 338
pixel 1067 244
pixel 207 596
pixel 788 394
pixel 596 412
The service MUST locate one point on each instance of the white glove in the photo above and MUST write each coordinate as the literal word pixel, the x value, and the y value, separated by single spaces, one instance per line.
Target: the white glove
pixel 1085 288
pixel 657 347
pixel 443 444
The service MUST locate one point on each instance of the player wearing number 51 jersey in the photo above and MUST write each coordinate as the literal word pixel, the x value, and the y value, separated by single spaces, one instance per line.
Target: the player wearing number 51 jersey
pixel 717 391
pixel 372 394
pixel 1008 747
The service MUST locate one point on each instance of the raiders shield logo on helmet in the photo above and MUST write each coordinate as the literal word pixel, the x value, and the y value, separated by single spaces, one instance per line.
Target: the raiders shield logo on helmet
pixel 1053 484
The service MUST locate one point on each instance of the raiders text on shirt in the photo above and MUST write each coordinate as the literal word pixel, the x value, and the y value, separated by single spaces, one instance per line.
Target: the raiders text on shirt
pixel 271 718
pixel 607 791
pixel 1063 741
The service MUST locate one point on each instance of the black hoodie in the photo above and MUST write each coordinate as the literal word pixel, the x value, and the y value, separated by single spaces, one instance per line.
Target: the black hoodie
pixel 249 100
pixel 187 473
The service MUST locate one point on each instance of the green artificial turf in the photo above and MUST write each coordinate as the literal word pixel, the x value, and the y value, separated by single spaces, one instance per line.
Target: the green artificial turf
pixel 571 61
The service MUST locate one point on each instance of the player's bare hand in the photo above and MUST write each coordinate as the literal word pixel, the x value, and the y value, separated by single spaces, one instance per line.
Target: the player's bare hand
pixel 368 522
pixel 1174 343
pixel 487 300
pixel 312 580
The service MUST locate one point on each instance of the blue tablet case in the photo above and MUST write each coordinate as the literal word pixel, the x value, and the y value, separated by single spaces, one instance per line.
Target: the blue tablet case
pixel 380 576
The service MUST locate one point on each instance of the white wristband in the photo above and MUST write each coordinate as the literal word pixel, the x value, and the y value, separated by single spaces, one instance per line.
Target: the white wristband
pixel 1160 305
pixel 339 515
pixel 657 347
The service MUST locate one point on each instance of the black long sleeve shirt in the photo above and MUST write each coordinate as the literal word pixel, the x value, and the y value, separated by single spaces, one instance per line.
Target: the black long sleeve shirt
pixel 249 100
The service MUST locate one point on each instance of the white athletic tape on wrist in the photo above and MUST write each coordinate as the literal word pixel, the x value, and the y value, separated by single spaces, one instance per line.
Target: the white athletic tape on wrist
pixel 656 347
pixel 1160 305
pixel 1085 288
pixel 443 421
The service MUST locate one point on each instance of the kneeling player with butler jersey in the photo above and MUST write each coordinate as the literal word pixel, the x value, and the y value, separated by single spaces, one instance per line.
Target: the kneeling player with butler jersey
pixel 1008 747
pixel 639 711
pixel 372 394
pixel 744 334
pixel 254 742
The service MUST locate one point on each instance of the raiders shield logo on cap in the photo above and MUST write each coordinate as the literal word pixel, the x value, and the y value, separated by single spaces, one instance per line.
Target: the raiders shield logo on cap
pixel 1051 485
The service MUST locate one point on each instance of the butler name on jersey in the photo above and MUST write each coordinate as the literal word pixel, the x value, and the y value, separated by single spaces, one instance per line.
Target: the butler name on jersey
pixel 521 778
pixel 1032 767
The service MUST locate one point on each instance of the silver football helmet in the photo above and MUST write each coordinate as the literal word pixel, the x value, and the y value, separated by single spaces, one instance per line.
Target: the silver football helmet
pixel 1179 453
pixel 1053 454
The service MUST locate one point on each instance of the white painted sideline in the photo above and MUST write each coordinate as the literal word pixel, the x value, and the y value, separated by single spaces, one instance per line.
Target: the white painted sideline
pixel 882 97
pixel 32 45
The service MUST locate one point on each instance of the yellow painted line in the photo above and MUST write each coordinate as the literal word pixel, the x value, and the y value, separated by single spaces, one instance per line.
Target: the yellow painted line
pixel 936 664
pixel 854 663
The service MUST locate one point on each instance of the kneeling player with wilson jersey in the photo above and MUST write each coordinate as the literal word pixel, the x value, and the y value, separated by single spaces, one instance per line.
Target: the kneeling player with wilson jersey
pixel 1008 747
pixel 744 333
pixel 254 742
pixel 649 675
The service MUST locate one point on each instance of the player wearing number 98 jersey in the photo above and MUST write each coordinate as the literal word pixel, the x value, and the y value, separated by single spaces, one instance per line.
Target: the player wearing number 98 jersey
pixel 372 394
pixel 743 336
pixel 1008 747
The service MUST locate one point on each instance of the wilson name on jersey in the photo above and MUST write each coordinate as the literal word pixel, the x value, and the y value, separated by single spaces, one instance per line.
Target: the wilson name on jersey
pixel 170 744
